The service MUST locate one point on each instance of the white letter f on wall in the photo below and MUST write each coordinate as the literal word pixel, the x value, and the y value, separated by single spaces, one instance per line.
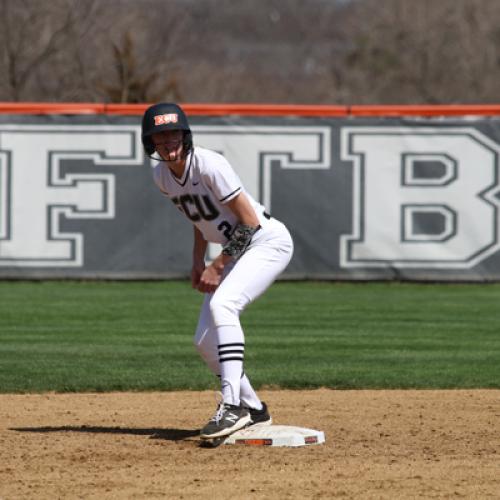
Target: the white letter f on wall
pixel 35 194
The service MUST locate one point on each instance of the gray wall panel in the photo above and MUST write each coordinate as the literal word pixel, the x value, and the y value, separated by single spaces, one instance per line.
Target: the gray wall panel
pixel 365 198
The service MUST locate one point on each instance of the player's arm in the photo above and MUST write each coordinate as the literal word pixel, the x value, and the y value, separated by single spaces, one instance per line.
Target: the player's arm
pixel 240 206
pixel 248 225
pixel 199 250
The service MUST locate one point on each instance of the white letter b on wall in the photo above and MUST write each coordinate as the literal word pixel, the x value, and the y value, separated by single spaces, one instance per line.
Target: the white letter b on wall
pixel 422 197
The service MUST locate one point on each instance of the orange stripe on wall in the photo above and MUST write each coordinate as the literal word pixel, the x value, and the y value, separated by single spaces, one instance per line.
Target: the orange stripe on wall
pixel 38 108
pixel 426 110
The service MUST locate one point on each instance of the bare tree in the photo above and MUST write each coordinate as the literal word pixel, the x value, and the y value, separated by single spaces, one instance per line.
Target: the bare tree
pixel 135 82
pixel 293 51
pixel 142 51
pixel 34 35
pixel 425 51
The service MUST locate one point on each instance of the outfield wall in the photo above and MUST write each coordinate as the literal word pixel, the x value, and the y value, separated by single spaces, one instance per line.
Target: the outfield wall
pixel 367 192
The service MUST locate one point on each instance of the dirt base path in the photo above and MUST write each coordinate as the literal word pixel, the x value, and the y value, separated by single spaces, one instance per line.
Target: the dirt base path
pixel 379 444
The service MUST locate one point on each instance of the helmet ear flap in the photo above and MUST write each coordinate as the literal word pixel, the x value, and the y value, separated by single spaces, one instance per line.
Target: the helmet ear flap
pixel 187 142
pixel 149 147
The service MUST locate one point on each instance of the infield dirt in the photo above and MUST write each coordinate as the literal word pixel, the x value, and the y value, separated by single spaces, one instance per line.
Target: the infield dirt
pixel 379 444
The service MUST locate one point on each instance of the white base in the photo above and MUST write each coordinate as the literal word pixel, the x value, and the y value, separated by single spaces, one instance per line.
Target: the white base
pixel 276 435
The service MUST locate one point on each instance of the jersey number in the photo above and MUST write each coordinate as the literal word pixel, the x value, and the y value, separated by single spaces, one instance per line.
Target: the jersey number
pixel 226 228
pixel 197 207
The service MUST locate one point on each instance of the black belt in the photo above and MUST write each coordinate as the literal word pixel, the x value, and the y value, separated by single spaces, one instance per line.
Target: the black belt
pixel 266 215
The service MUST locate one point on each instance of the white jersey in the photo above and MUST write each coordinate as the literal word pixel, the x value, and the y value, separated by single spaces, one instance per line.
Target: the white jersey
pixel 202 193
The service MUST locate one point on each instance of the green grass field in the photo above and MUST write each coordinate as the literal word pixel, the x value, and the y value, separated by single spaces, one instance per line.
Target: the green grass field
pixel 103 336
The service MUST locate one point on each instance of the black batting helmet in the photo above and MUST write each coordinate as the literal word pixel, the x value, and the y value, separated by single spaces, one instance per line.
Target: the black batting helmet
pixel 165 116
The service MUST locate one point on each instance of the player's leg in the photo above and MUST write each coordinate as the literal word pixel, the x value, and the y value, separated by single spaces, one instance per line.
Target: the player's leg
pixel 205 338
pixel 227 418
pixel 205 341
pixel 252 274
pixel 248 396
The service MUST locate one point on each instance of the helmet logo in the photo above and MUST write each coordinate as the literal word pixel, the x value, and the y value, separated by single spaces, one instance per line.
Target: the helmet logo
pixel 167 118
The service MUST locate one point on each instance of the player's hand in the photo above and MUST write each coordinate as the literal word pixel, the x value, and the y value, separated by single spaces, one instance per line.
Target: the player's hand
pixel 210 279
pixel 196 272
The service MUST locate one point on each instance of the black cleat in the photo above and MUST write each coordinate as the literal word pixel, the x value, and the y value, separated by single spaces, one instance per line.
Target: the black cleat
pixel 261 416
pixel 227 419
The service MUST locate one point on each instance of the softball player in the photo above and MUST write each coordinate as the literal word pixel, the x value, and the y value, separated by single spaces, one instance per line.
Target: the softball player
pixel 256 248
